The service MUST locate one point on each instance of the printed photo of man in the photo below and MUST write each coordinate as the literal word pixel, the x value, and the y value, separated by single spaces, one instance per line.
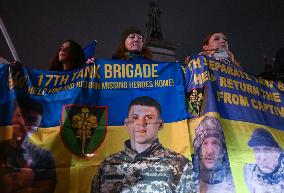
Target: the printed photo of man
pixel 25 167
pixel 267 174
pixel 210 159
pixel 144 165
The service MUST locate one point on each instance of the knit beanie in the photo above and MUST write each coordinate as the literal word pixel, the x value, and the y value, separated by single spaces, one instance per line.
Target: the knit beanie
pixel 262 137
pixel 209 127
pixel 129 30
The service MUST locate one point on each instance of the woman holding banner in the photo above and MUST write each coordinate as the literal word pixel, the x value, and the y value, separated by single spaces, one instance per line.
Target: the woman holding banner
pixel 131 46
pixel 216 45
pixel 69 56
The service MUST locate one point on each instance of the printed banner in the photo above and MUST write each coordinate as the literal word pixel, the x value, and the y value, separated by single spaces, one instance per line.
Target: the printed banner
pixel 57 127
pixel 141 126
pixel 237 127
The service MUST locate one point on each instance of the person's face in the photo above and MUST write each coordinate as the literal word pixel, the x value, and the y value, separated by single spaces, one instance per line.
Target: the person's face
pixel 134 42
pixel 64 54
pixel 210 153
pixel 216 41
pixel 23 123
pixel 143 124
pixel 266 158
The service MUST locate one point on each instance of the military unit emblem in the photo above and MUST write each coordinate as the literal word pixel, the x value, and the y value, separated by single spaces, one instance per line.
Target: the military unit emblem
pixel 83 128
pixel 197 99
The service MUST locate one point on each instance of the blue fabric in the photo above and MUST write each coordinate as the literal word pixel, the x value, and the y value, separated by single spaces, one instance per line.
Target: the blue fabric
pixel 89 50
pixel 225 86
pixel 110 83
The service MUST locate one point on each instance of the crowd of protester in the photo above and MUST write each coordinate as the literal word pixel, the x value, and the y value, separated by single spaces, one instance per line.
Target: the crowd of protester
pixel 131 46
pixel 70 54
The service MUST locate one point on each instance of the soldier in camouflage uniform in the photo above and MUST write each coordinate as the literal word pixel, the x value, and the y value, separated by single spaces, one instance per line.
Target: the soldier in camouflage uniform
pixel 211 161
pixel 267 174
pixel 144 165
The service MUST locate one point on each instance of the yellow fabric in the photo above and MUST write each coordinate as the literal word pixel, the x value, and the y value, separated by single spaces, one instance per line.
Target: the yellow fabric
pixel 75 174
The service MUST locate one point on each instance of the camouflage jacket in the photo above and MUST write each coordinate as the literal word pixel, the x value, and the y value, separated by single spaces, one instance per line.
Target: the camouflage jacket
pixel 154 170
pixel 259 182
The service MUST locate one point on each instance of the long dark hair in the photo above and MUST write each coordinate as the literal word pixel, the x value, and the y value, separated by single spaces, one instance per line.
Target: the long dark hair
pixel 77 54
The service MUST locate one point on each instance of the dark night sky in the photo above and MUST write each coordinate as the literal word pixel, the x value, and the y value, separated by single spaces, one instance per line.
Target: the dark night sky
pixel 37 27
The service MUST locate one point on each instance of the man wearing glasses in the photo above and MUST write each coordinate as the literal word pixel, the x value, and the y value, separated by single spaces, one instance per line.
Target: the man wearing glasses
pixel 144 165
pixel 25 167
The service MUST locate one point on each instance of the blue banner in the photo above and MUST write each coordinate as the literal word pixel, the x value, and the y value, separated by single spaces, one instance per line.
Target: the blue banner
pixel 236 94
pixel 112 83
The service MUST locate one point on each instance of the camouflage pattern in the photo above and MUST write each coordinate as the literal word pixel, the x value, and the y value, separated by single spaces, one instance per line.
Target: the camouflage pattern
pixel 155 170
pixel 219 179
pixel 260 182
pixel 225 186
pixel 209 127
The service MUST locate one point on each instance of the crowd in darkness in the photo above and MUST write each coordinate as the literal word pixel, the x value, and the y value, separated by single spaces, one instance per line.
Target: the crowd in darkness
pixel 70 54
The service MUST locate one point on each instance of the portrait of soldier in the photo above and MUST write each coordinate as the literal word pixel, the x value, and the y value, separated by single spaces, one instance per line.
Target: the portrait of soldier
pixel 25 167
pixel 210 159
pixel 144 165
pixel 267 174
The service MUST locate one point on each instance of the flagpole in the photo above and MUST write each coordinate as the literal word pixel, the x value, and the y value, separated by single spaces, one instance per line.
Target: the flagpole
pixel 9 41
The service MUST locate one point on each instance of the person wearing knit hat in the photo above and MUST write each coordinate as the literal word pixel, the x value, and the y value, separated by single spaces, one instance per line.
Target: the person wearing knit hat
pixel 267 174
pixel 208 127
pixel 210 160
pixel 262 137
pixel 131 46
